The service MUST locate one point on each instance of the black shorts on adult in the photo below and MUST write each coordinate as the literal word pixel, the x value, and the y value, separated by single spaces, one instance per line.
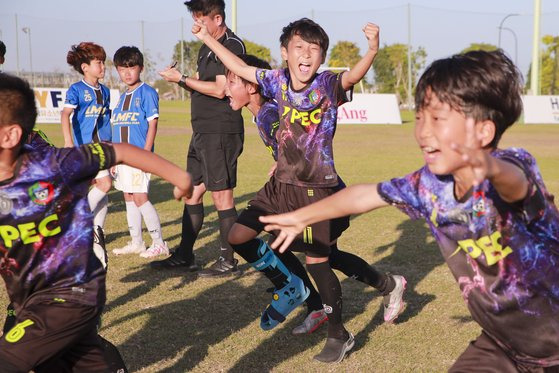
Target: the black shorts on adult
pixel 54 336
pixel 485 355
pixel 278 198
pixel 212 159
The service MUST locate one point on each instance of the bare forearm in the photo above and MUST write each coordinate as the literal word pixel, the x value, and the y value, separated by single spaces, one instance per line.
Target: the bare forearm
pixel 355 199
pixel 353 76
pixel 149 162
pixel 509 180
pixel 150 137
pixel 66 131
pixel 230 60
pixel 212 89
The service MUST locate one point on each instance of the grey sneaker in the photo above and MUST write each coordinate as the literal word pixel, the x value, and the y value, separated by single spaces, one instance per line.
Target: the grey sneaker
pixel 312 322
pixel 393 302
pixel 335 349
pixel 221 268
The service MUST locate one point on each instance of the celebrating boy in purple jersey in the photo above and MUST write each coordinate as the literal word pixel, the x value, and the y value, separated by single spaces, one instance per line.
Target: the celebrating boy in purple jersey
pixel 488 209
pixel 53 277
pixel 307 104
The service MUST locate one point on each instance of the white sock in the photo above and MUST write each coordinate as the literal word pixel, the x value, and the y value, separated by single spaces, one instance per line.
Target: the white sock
pixel 152 222
pixel 100 212
pixel 134 218
pixel 95 196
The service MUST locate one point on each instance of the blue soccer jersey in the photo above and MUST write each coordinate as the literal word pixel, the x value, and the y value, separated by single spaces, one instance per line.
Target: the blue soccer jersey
pixel 505 257
pixel 91 119
pixel 46 238
pixel 131 116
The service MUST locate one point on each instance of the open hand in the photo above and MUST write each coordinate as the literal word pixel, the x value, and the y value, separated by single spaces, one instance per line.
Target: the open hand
pixel 287 225
pixel 372 34
pixel 476 157
pixel 179 193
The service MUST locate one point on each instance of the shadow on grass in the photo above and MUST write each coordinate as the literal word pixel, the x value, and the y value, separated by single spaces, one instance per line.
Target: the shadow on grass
pixel 190 327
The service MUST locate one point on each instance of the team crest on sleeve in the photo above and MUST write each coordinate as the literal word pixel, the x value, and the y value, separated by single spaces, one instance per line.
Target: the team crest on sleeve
pixel 6 204
pixel 87 96
pixel 41 193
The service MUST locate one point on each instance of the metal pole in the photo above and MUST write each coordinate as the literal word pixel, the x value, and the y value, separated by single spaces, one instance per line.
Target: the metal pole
pixel 27 30
pixel 234 16
pixel 17 47
pixel 535 74
pixel 182 54
pixel 409 58
pixel 144 73
pixel 515 44
pixel 501 26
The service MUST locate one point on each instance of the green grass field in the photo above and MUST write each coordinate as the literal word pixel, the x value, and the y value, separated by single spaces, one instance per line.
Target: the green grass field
pixel 173 322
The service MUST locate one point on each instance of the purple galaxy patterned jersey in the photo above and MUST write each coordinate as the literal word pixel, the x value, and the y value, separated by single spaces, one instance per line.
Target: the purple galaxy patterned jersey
pixel 267 122
pixel 307 126
pixel 505 257
pixel 46 234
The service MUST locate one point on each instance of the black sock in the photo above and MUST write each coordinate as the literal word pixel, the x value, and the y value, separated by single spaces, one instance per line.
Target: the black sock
pixel 331 293
pixel 353 266
pixel 249 252
pixel 192 219
pixel 313 302
pixel 226 220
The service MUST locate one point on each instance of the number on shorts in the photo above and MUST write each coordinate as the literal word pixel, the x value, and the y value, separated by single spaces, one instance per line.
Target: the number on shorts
pixel 18 331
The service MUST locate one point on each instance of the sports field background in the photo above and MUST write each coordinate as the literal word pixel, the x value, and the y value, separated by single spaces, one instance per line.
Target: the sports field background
pixel 168 321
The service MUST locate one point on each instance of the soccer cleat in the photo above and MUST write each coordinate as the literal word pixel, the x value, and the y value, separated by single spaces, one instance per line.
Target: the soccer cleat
pixel 335 349
pixel 130 248
pixel 312 322
pixel 155 249
pixel 99 245
pixel 221 268
pixel 175 261
pixel 283 302
pixel 393 302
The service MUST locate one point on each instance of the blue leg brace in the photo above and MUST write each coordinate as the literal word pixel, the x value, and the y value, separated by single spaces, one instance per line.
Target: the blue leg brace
pixel 284 300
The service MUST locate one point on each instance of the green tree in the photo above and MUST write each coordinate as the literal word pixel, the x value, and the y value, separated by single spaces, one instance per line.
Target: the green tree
pixel 479 47
pixel 259 51
pixel 549 69
pixel 190 54
pixel 344 54
pixel 391 69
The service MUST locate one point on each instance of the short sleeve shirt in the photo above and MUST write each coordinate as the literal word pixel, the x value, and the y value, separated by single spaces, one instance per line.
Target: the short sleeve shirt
pixel 91 118
pixel 211 114
pixel 46 238
pixel 132 114
pixel 505 257
pixel 267 122
pixel 307 126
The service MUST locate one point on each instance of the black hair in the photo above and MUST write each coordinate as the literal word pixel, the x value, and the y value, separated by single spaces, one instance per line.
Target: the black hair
pixel 2 49
pixel 128 57
pixel 482 85
pixel 17 103
pixel 309 31
pixel 254 61
pixel 206 7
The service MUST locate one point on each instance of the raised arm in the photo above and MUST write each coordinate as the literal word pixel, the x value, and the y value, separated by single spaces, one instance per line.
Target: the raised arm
pixel 149 162
pixel 355 199
pixel 229 59
pixel 358 71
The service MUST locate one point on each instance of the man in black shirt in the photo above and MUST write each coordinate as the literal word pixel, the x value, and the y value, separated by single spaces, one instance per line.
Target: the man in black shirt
pixel 217 142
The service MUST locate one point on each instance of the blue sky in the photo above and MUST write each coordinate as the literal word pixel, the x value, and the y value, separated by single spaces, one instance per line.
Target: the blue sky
pixel 441 27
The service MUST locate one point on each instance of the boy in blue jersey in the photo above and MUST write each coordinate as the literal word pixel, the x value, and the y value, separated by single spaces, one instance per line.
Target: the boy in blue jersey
pixel 242 93
pixel 134 121
pixel 53 278
pixel 307 105
pixel 488 208
pixel 89 102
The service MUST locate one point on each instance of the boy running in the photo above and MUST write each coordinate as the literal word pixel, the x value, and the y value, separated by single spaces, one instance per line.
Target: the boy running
pixel 488 209
pixel 134 122
pixel 89 101
pixel 307 104
pixel 53 278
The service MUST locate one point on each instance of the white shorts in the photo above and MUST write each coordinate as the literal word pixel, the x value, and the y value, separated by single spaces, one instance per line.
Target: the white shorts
pixel 102 173
pixel 131 180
